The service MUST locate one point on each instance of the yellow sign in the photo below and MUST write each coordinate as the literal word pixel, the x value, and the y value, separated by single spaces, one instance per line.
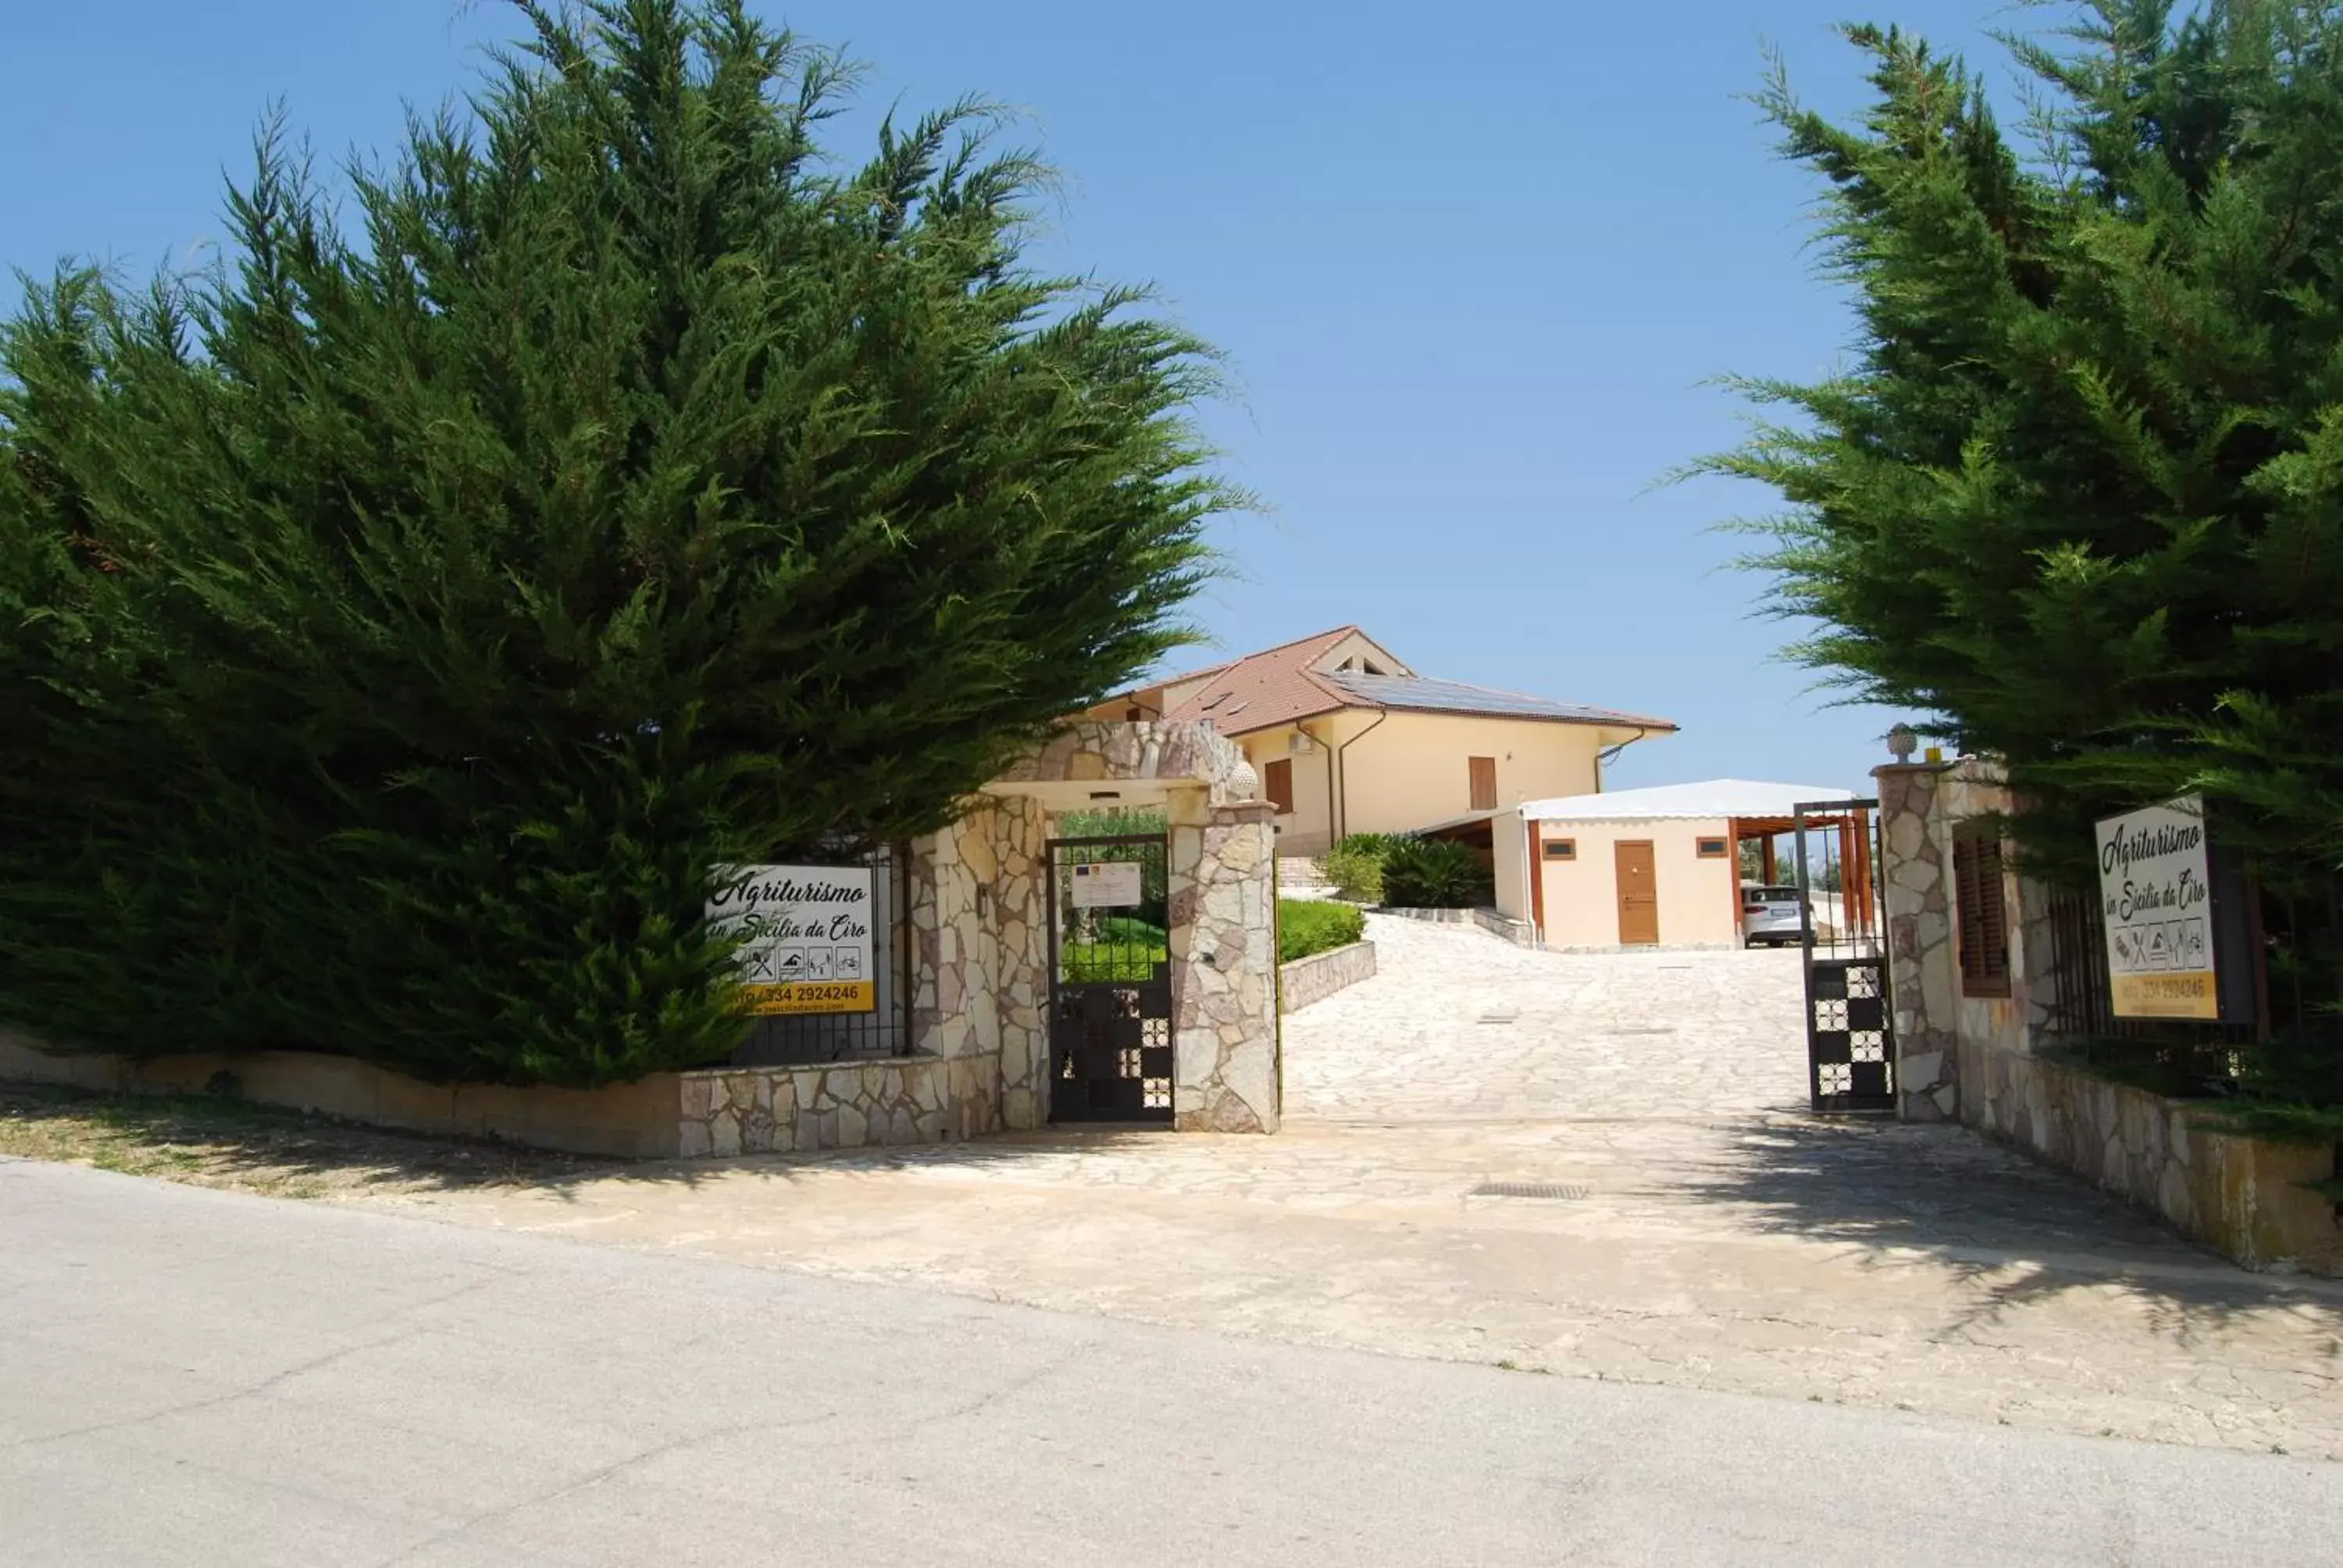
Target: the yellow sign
pixel 2190 994
pixel 772 1000
pixel 2156 889
pixel 806 937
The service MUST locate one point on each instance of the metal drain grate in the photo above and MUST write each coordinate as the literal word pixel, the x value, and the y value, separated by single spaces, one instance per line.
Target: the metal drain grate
pixel 1499 1018
pixel 1527 1190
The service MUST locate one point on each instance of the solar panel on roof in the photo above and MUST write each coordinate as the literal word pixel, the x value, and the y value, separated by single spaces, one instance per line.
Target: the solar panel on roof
pixel 1419 691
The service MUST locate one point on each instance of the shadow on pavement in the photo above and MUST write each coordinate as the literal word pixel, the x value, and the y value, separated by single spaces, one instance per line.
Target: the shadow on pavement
pixel 216 1141
pixel 2018 1231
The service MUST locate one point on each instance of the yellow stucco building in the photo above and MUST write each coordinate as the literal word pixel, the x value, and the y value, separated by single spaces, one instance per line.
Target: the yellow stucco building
pixel 1348 738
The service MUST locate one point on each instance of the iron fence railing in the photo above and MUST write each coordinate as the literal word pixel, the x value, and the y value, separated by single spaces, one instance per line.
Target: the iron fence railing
pixel 2294 976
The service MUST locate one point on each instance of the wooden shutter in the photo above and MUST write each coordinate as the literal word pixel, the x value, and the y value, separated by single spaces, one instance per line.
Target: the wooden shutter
pixel 1983 926
pixel 1483 774
pixel 1277 783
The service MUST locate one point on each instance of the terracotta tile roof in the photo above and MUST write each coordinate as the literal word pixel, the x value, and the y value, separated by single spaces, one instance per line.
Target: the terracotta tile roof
pixel 1275 686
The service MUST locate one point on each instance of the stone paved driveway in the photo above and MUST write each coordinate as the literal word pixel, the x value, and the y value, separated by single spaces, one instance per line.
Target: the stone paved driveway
pixel 1704 1231
pixel 1461 1027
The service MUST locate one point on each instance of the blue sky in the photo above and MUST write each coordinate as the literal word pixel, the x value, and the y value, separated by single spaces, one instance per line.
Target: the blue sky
pixel 1473 265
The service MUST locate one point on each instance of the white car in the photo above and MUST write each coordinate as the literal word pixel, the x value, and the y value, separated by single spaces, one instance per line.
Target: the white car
pixel 1769 914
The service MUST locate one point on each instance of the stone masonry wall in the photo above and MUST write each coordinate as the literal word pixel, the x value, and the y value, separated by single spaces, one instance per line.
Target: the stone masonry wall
pixel 846 1105
pixel 2242 1197
pixel 979 913
pixel 1921 806
pixel 1974 789
pixel 1922 967
pixel 980 920
pixel 1981 1058
pixel 1223 949
pixel 1182 754
pixel 1321 975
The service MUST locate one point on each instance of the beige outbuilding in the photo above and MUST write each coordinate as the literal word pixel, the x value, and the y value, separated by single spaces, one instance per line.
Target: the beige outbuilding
pixel 1651 868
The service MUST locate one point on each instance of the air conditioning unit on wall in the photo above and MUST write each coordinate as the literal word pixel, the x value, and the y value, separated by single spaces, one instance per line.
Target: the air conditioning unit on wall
pixel 1301 745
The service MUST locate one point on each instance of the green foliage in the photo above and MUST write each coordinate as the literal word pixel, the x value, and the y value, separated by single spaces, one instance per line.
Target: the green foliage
pixel 1110 822
pixel 2077 495
pixel 1305 926
pixel 1435 874
pixel 1105 960
pixel 396 626
pixel 2077 499
pixel 1355 865
pixel 1123 929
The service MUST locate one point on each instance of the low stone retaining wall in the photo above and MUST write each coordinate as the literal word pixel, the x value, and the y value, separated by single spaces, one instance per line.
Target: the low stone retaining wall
pixel 2240 1196
pixel 1321 975
pixel 1430 917
pixel 845 1105
pixel 1520 934
pixel 667 1116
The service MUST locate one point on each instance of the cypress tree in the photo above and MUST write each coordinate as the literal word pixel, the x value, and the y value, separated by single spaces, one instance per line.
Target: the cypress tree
pixel 2078 493
pixel 398 625
pixel 2076 489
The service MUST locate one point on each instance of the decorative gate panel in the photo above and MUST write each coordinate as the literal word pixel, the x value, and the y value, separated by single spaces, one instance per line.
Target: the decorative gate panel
pixel 1850 1042
pixel 1110 981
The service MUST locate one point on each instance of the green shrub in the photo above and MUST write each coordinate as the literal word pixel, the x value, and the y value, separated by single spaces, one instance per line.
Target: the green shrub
pixel 1092 961
pixel 1126 930
pixel 1435 874
pixel 1304 927
pixel 1355 865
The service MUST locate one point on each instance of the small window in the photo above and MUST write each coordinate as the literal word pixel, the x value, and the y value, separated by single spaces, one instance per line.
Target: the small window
pixel 1562 849
pixel 1482 774
pixel 1277 783
pixel 1135 715
pixel 1983 927
pixel 1714 849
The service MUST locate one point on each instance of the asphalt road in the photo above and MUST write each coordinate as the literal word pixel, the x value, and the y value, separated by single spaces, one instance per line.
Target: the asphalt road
pixel 194 1378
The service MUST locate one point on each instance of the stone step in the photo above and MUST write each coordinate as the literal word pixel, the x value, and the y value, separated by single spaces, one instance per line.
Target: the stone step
pixel 1297 878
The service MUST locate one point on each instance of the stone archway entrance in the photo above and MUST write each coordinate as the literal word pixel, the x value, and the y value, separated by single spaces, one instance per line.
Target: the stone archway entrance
pixel 1220 908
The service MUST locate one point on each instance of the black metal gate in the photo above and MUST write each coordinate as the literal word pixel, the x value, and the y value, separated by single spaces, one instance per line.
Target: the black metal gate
pixel 1110 980
pixel 1850 1042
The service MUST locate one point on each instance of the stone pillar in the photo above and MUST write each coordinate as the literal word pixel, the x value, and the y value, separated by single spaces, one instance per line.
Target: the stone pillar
pixel 1922 968
pixel 1020 921
pixel 1224 946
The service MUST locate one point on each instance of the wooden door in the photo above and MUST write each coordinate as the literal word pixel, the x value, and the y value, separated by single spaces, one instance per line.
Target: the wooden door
pixel 1481 774
pixel 1277 784
pixel 1639 895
